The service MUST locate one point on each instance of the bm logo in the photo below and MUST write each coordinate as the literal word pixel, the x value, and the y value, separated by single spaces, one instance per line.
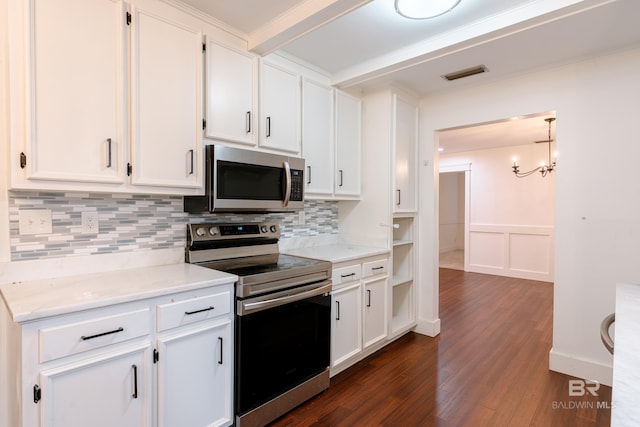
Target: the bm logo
pixel 582 387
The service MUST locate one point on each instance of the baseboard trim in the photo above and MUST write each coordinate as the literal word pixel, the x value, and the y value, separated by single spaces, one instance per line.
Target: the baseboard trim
pixel 581 368
pixel 430 328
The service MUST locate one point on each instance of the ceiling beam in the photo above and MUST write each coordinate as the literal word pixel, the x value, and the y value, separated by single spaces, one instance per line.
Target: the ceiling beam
pixel 297 22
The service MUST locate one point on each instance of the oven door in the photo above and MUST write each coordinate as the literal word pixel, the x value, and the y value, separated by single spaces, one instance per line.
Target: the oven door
pixel 282 340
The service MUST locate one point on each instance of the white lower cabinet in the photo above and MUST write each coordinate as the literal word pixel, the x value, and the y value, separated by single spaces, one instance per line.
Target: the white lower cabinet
pixel 375 311
pixel 105 391
pixel 346 323
pixel 194 375
pixel 165 361
pixel 359 311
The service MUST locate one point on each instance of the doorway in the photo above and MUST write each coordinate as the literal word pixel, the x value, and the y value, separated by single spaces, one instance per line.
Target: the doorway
pixel 452 224
pixel 498 224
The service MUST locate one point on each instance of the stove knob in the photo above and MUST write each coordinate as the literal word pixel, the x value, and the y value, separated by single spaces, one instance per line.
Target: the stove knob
pixel 263 228
pixel 200 231
pixel 273 228
pixel 213 231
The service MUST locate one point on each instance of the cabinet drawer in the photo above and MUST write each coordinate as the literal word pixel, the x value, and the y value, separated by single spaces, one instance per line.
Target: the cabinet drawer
pixel 346 274
pixel 193 310
pixel 374 267
pixel 72 338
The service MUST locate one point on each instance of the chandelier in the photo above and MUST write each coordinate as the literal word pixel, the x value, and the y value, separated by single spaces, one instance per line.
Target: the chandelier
pixel 543 169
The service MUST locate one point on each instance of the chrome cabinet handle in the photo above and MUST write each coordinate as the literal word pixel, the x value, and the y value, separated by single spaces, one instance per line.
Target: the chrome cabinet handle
pixel 308 174
pixel 135 381
pixel 347 275
pixel 377 268
pixel 90 337
pixel 221 342
pixel 397 197
pixel 189 313
pixel 191 152
pixel 108 152
pixel 268 127
pixel 341 176
pixel 337 310
pixel 247 123
pixel 368 297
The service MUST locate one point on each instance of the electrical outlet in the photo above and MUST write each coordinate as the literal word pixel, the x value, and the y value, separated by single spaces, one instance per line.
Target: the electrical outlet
pixel 90 223
pixel 34 221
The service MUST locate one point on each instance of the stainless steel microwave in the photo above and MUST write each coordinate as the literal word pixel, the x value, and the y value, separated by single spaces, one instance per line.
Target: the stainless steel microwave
pixel 238 180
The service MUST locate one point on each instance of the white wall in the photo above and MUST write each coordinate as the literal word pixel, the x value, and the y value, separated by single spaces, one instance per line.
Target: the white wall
pixel 597 226
pixel 510 231
pixel 451 211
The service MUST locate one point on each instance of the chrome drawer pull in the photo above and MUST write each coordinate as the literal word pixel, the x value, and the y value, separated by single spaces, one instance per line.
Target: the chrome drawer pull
pixel 115 331
pixel 188 313
pixel 347 275
pixel 377 268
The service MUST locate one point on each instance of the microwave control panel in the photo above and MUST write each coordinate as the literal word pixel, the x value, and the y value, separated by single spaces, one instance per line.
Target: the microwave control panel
pixel 297 185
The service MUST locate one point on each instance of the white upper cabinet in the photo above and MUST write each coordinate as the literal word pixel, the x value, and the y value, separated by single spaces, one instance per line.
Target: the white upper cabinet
pixel 280 108
pixel 348 134
pixel 112 98
pixel 405 143
pixel 317 137
pixel 75 92
pixel 166 113
pixel 232 94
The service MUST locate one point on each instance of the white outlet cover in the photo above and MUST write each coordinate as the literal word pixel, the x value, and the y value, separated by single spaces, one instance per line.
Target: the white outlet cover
pixel 90 222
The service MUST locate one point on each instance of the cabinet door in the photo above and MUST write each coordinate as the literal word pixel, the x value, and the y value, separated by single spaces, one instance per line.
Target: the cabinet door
pixel 346 323
pixel 348 137
pixel 166 116
pixel 375 311
pixel 195 377
pixel 76 91
pixel 405 144
pixel 279 114
pixel 106 391
pixel 317 137
pixel 232 81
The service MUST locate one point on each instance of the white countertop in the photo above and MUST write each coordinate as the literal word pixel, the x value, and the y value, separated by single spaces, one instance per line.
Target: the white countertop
pixel 31 300
pixel 626 359
pixel 337 253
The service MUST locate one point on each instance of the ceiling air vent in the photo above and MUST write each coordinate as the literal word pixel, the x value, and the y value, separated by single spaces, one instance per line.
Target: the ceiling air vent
pixel 465 73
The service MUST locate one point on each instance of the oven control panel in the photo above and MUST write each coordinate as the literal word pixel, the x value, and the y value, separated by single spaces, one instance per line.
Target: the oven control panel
pixel 225 231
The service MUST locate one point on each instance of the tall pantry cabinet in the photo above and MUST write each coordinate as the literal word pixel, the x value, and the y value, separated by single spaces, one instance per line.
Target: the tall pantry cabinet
pixel 387 212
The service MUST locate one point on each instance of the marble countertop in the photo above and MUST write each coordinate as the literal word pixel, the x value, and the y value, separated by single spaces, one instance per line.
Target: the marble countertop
pixel 626 362
pixel 31 300
pixel 337 252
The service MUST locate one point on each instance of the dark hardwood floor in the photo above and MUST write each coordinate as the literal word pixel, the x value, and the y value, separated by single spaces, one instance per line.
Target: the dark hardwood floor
pixel 488 367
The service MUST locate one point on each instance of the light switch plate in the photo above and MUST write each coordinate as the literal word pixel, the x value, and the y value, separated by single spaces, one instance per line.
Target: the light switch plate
pixel 34 221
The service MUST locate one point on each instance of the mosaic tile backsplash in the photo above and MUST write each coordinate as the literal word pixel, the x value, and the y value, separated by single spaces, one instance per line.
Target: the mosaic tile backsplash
pixel 129 222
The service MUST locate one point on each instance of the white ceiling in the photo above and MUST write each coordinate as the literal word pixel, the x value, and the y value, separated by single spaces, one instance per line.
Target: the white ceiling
pixel 363 44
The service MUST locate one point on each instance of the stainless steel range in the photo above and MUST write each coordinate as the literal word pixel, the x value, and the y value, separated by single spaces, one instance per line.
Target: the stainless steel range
pixel 283 309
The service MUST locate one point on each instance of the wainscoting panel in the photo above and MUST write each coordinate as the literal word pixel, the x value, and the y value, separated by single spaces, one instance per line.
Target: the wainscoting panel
pixel 486 251
pixel 524 252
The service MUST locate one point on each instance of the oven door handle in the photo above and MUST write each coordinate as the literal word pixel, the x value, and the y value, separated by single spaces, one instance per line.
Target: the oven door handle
pixel 245 307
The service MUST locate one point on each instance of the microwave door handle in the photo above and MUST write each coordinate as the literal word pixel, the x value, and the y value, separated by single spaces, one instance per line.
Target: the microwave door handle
pixel 287 193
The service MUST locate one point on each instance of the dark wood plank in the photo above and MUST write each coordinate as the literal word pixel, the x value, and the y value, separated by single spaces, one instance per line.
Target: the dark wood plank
pixel 488 367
